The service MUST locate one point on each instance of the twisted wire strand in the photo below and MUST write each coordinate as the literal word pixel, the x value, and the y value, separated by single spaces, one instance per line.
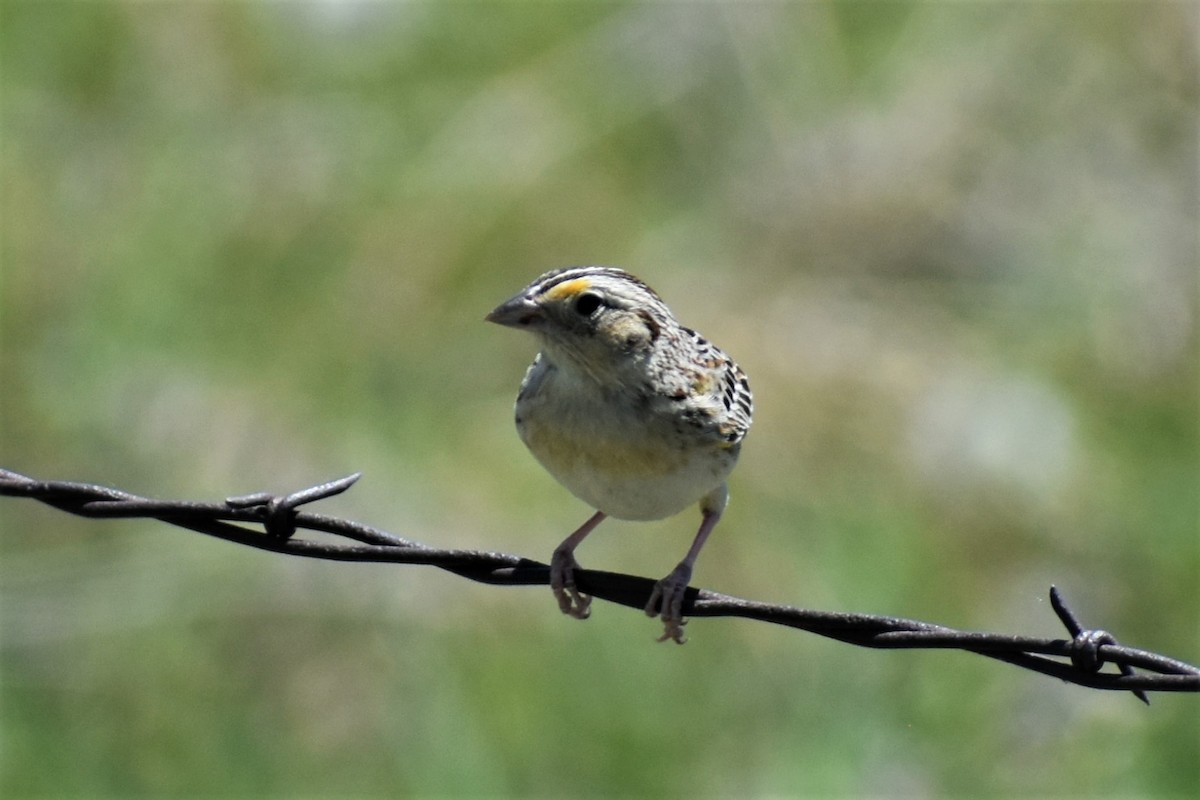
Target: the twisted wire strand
pixel 1079 659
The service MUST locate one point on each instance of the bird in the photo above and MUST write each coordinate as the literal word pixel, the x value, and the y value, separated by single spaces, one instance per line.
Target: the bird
pixel 633 413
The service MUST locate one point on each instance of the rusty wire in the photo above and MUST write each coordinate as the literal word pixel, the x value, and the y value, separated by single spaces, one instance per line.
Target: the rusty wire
pixel 1079 659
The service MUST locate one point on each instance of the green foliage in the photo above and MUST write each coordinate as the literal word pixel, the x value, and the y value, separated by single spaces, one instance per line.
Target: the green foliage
pixel 250 246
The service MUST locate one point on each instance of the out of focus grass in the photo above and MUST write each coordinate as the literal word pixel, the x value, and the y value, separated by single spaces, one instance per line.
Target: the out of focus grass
pixel 249 246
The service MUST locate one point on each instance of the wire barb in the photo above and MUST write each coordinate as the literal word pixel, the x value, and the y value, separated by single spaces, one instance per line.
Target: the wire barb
pixel 279 513
pixel 1085 644
pixel 1079 660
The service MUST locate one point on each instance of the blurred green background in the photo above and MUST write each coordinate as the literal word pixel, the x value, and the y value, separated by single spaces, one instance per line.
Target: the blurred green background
pixel 250 246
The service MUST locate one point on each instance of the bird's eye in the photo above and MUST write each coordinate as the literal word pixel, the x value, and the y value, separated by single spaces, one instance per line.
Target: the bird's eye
pixel 586 304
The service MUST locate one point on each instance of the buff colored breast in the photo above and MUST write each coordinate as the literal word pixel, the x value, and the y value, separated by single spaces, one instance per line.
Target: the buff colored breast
pixel 625 468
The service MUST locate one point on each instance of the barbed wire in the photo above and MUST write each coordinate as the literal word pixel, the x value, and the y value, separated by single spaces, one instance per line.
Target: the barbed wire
pixel 1079 659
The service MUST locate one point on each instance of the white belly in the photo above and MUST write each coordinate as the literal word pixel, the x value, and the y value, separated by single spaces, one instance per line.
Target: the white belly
pixel 627 464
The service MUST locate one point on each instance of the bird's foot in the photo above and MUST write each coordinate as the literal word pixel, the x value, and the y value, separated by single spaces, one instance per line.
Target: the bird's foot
pixel 562 582
pixel 666 601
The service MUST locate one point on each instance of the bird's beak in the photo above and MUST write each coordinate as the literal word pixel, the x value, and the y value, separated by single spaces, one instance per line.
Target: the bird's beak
pixel 519 312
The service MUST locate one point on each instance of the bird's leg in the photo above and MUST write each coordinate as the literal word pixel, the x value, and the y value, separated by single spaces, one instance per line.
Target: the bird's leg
pixel 667 598
pixel 562 571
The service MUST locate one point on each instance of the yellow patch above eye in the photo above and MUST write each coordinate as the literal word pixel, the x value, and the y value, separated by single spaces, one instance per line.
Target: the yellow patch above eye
pixel 568 289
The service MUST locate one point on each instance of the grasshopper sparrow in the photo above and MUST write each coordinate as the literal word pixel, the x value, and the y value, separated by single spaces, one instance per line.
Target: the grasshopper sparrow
pixel 635 414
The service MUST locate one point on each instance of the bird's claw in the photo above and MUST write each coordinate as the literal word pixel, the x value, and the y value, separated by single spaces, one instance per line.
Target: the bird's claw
pixel 666 601
pixel 571 601
pixel 673 630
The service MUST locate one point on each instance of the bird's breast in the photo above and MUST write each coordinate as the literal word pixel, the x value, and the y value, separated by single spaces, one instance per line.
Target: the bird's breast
pixel 619 457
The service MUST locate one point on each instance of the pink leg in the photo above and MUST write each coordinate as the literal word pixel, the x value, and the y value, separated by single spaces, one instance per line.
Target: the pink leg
pixel 562 571
pixel 667 598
